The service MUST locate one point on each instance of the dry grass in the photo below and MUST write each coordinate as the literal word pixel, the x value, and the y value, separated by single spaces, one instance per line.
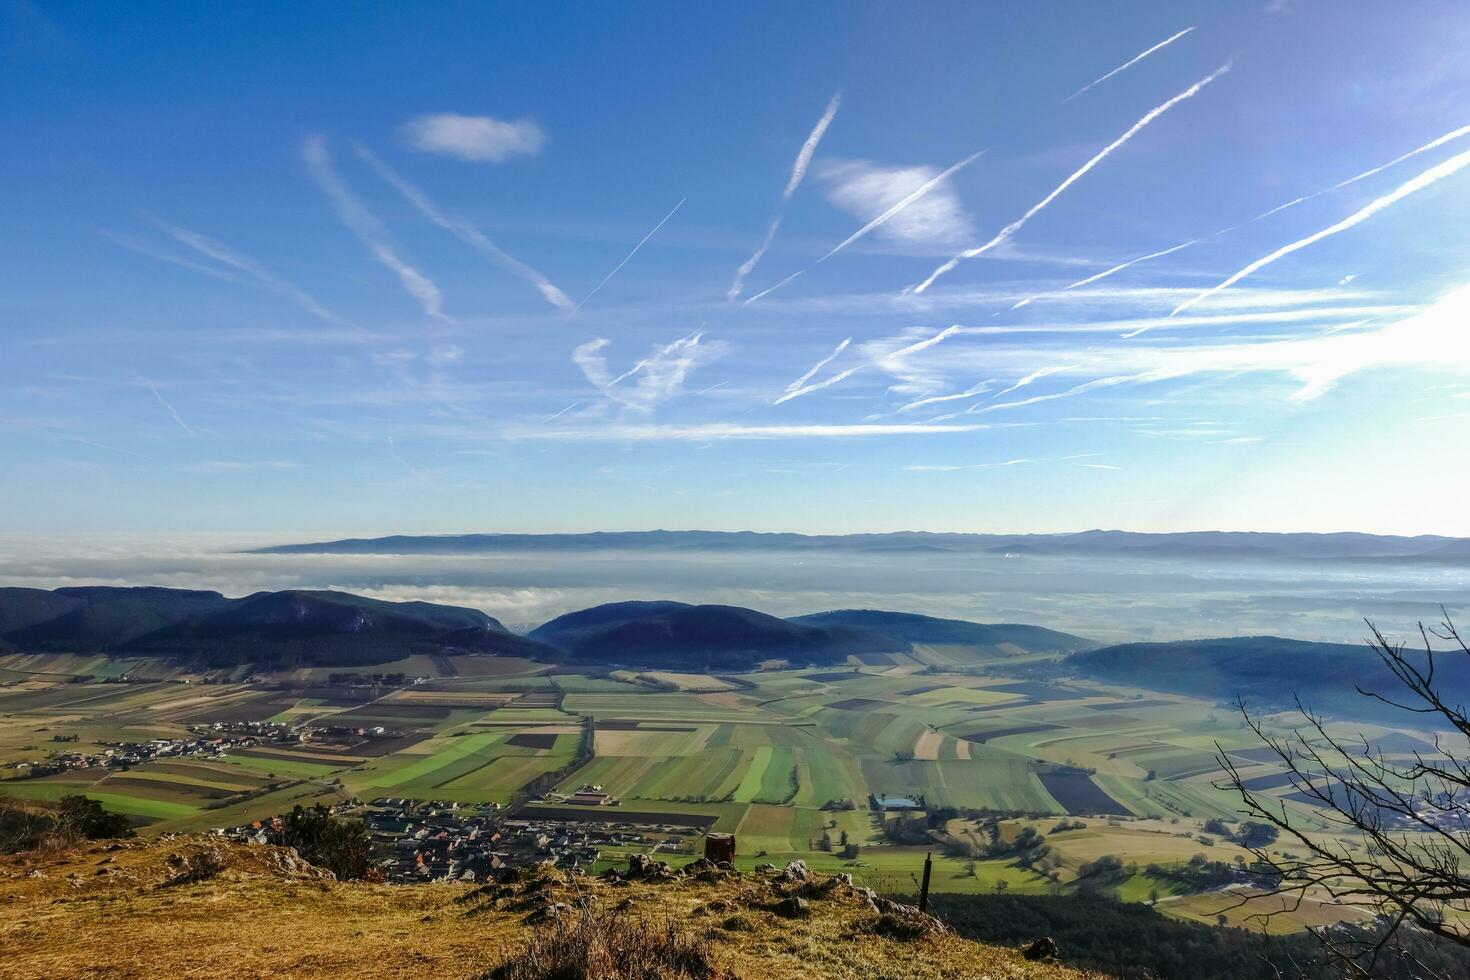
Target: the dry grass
pixel 118 910
pixel 598 944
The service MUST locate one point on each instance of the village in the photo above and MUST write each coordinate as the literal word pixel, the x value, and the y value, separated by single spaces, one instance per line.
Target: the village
pixel 442 840
pixel 212 739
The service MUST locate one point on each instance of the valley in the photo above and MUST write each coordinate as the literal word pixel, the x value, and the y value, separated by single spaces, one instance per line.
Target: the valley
pixel 862 765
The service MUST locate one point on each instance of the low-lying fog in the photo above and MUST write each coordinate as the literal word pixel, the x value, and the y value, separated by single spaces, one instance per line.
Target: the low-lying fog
pixel 1105 599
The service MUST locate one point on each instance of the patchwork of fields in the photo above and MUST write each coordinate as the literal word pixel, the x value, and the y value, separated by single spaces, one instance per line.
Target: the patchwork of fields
pixel 783 758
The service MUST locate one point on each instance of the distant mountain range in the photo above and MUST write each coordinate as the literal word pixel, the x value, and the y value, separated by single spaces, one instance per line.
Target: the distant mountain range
pixel 1221 545
pixel 281 629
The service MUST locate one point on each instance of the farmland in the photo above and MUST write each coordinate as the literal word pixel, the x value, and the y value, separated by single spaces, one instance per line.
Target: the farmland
pixel 788 760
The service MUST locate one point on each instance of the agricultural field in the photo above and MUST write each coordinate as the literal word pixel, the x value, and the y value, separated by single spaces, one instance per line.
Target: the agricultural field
pixel 791 761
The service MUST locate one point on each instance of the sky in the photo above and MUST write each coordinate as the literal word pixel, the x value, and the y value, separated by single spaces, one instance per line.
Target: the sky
pixel 316 270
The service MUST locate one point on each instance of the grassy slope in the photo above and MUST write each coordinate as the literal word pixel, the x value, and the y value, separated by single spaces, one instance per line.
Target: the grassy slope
pixel 95 911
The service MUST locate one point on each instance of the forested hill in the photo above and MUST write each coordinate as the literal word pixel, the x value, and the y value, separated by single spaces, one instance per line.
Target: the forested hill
pixel 268 628
pixel 990 638
pixel 680 636
pixel 1268 671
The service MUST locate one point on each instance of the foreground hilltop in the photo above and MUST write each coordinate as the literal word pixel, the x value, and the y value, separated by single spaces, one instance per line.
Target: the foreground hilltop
pixel 201 907
pixel 282 630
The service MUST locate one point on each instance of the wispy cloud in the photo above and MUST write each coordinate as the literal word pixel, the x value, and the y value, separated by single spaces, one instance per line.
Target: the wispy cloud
pixel 1015 226
pixel 1429 339
pixel 257 272
pixel 368 229
pixel 634 252
pixel 798 173
pixel 1128 64
pixel 1432 144
pixel 659 376
pixel 168 407
pixel 1429 177
pixel 477 139
pixel 895 209
pixel 867 190
pixel 464 231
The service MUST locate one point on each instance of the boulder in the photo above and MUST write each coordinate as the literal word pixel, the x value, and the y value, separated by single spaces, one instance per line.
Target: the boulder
pixel 796 871
pixel 792 907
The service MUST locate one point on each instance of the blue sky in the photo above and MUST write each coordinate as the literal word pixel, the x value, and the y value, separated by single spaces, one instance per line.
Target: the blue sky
pixel 320 269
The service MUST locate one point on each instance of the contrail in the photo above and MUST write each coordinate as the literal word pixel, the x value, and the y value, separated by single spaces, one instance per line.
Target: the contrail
pixel 1441 141
pixel 913 196
pixel 942 335
pixel 368 229
pixel 164 402
pixel 1142 258
pixel 143 248
pixel 224 255
pixel 463 230
pixel 818 366
pixel 798 173
pixel 840 376
pixel 629 256
pixel 978 389
pixel 1128 64
pixel 1015 226
pixel 1434 174
pixel 552 418
pixel 1036 375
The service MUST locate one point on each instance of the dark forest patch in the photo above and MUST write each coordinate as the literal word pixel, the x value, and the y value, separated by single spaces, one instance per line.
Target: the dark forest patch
pixel 859 704
pixel 532 740
pixel 1271 780
pixel 1039 691
pixel 1077 793
pixel 1135 703
pixel 983 737
pixel 828 676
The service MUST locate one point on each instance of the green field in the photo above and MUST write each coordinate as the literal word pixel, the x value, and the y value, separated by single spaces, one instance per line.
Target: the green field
pixel 794 756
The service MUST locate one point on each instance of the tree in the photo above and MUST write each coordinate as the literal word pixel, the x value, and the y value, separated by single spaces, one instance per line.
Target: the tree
pixel 1412 819
pixel 86 817
pixel 843 839
pixel 342 846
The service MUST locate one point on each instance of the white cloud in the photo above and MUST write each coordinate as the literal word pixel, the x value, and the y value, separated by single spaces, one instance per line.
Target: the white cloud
pixel 867 190
pixel 659 376
pixel 478 139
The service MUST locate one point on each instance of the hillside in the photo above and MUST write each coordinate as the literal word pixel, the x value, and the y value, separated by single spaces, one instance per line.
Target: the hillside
pixel 273 628
pixel 1266 670
pixel 197 907
pixel 995 639
pixel 686 637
